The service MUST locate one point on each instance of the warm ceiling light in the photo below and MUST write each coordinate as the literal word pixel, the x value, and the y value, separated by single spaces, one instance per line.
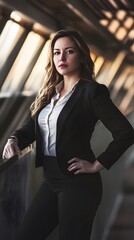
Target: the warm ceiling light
pixel 114 4
pixel 113 25
pixel 129 22
pixel 20 18
pixel 121 14
pixel 98 64
pixel 16 16
pixel 104 22
pixel 132 48
pixel 93 56
pixel 124 2
pixel 131 34
pixel 121 33
pixel 107 14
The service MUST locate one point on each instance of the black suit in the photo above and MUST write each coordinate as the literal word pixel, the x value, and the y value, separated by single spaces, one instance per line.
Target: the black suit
pixel 89 103
pixel 73 202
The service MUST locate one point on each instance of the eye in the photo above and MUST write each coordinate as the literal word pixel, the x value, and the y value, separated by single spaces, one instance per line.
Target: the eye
pixel 70 51
pixel 56 53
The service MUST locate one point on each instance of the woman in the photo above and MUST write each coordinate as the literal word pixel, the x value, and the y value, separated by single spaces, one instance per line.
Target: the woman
pixel 63 118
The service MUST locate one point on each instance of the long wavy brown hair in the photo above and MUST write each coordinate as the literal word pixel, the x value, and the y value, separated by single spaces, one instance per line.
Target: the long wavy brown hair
pixel 52 77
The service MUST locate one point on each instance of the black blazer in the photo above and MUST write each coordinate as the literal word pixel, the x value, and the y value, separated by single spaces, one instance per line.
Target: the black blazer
pixel 89 102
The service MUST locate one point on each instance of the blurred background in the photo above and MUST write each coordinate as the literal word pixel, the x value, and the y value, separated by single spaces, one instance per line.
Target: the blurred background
pixel 26 26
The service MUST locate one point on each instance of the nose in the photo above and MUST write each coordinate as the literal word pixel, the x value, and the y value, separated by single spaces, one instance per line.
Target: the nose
pixel 62 56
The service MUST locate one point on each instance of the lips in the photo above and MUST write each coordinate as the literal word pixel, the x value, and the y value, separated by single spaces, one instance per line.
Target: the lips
pixel 62 66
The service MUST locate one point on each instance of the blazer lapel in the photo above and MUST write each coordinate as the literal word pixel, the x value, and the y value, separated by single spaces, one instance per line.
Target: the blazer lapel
pixel 68 108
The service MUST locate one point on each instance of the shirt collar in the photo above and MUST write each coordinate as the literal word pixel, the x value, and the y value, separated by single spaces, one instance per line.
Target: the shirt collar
pixel 59 86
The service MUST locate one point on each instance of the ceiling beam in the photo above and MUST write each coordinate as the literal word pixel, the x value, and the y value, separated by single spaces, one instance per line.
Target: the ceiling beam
pixel 84 12
pixel 33 12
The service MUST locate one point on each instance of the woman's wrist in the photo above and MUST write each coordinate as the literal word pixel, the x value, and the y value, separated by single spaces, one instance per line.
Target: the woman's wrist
pixel 97 166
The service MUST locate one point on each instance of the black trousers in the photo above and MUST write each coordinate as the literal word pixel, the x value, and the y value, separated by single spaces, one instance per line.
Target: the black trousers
pixel 70 201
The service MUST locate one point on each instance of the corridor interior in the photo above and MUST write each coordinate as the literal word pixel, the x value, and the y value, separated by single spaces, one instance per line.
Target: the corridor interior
pixel 26 28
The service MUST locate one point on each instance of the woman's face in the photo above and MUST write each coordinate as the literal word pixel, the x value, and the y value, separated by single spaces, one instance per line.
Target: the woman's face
pixel 66 57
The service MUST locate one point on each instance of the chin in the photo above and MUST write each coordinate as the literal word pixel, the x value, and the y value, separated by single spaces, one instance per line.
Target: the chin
pixel 63 72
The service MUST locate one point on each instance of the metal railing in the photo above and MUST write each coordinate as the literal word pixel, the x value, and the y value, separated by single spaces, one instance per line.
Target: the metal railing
pixel 5 164
pixel 8 163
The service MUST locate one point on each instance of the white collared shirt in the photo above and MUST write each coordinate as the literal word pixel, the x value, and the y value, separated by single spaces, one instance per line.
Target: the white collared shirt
pixel 48 119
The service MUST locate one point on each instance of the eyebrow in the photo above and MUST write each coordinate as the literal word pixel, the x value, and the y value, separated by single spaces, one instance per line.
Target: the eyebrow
pixel 65 48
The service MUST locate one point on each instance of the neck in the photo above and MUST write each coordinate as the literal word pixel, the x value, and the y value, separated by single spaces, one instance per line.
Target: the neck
pixel 69 82
pixel 67 87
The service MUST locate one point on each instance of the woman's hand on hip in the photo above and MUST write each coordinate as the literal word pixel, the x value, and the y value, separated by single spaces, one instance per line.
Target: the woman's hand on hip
pixel 78 165
pixel 11 148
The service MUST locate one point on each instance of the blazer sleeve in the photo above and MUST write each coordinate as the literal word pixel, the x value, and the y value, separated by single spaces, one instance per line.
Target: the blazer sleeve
pixel 120 128
pixel 26 134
